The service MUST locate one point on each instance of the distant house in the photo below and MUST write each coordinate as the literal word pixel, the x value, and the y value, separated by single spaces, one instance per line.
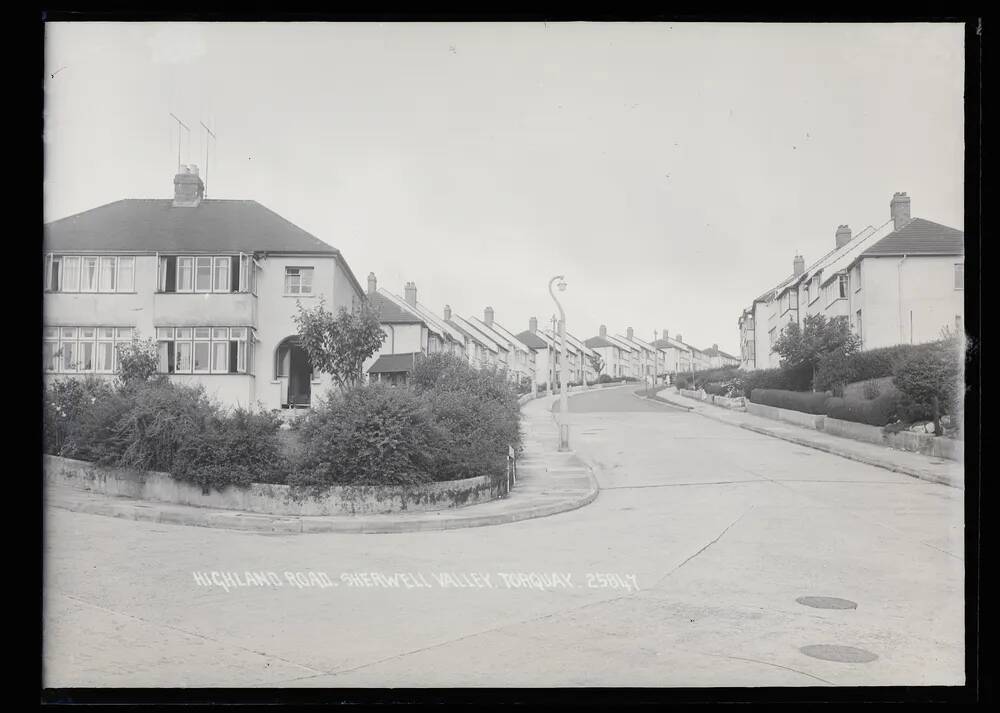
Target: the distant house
pixel 676 354
pixel 577 357
pixel 648 356
pixel 899 283
pixel 214 282
pixel 616 356
pixel 520 358
pixel 410 329
pixel 480 350
pixel 718 359
pixel 542 350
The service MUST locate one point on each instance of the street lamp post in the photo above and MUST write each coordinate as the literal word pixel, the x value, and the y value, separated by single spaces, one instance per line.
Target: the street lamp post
pixel 564 367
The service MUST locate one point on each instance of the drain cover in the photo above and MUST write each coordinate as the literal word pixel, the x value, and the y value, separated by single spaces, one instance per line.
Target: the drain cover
pixel 842 654
pixel 827 603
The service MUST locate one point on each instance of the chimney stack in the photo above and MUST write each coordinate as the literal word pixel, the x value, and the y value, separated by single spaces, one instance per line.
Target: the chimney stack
pixel 666 334
pixel 410 293
pixel 680 339
pixel 188 187
pixel 899 208
pixel 372 283
pixel 843 235
pixel 630 333
pixel 798 265
pixel 447 313
pixel 604 331
pixel 533 325
pixel 715 347
pixel 488 316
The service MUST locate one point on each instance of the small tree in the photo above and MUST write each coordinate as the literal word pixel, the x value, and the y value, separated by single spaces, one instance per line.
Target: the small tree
pixel 137 361
pixel 933 378
pixel 338 345
pixel 597 362
pixel 804 347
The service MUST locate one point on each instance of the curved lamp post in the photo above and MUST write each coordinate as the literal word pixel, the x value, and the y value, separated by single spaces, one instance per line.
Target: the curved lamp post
pixel 563 368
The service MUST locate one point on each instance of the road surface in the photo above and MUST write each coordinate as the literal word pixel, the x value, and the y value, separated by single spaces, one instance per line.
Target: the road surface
pixel 722 530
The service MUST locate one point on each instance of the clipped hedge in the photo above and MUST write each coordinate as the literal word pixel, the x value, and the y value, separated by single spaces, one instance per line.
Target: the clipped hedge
pixel 807 402
pixel 880 411
pixel 838 369
pixel 744 382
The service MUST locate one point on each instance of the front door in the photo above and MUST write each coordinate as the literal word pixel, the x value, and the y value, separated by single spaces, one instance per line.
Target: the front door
pixel 299 377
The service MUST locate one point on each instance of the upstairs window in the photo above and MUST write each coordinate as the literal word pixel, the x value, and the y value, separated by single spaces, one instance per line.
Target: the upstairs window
pixel 842 286
pixel 89 273
pixel 298 280
pixel 203 274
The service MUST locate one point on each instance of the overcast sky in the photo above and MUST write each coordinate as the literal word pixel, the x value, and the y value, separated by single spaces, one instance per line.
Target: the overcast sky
pixel 670 171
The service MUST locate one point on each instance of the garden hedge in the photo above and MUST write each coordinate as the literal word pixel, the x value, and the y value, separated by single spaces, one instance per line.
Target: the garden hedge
pixel 839 369
pixel 805 401
pixel 880 411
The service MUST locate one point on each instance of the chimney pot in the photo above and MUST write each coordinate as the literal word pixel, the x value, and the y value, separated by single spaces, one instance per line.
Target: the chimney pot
pixel 488 316
pixel 715 347
pixel 372 283
pixel 899 209
pixel 533 325
pixel 447 313
pixel 410 293
pixel 630 332
pixel 680 339
pixel 798 265
pixel 843 236
pixel 604 331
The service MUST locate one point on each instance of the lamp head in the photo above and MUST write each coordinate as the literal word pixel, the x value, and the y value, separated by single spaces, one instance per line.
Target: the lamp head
pixel 561 285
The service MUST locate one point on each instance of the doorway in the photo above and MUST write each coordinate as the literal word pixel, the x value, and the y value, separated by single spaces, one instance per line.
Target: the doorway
pixel 293 370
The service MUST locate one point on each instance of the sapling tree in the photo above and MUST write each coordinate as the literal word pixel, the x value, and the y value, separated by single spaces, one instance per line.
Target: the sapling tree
pixel 339 344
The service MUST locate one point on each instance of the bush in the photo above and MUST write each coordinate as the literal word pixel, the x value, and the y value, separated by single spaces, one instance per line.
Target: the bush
pixel 744 382
pixel 237 449
pixel 604 379
pixel 80 416
pixel 807 402
pixel 715 388
pixel 872 389
pixel 371 435
pixel 137 361
pixel 880 411
pixel 932 380
pixel 837 368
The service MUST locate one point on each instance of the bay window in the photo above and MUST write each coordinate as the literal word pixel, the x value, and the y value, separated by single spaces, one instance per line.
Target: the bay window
pixel 89 273
pixel 208 273
pixel 82 349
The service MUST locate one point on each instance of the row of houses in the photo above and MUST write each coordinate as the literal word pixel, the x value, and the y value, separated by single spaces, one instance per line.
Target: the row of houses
pixel 901 282
pixel 216 283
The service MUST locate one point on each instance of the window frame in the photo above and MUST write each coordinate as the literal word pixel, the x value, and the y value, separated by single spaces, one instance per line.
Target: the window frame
pixel 187 339
pixel 301 268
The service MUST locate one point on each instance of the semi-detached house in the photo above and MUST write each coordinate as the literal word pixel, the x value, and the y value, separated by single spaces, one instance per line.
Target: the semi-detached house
pixel 215 282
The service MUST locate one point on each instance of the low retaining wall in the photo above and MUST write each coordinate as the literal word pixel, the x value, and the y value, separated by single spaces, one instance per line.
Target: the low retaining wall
pixel 808 420
pixel 265 498
pixel 737 404
pixel 692 394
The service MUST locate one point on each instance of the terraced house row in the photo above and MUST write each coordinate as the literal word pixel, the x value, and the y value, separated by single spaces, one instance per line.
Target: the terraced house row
pixel 901 282
pixel 216 283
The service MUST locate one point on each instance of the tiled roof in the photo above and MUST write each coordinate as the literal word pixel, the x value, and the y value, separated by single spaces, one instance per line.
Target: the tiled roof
pixel 712 351
pixel 514 340
pixel 532 340
pixel 155 225
pixel 920 237
pixel 471 332
pixel 393 363
pixel 598 342
pixel 392 313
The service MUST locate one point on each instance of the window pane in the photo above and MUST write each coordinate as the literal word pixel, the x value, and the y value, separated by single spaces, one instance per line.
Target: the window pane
pixel 126 274
pixel 183 354
pixel 88 281
pixel 183 332
pixel 202 332
pixel 238 333
pixel 222 274
pixel 164 332
pixel 291 281
pixel 106 332
pixel 49 360
pixel 50 333
pixel 71 274
pixel 87 356
pixel 306 274
pixel 185 267
pixel 69 332
pixel 201 356
pixel 220 356
pixel 220 333
pixel 123 333
pixel 241 360
pixel 105 361
pixel 54 270
pixel 69 356
pixel 107 274
pixel 203 274
pixel 87 332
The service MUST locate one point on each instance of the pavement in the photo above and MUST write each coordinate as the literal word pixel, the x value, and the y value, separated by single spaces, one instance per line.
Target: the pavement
pixel 916 465
pixel 696 566
pixel 549 482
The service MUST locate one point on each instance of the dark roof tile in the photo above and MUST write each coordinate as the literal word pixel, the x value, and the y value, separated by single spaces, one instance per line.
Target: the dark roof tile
pixel 920 237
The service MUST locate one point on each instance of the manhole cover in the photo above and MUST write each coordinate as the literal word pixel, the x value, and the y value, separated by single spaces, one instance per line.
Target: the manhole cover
pixel 827 603
pixel 841 654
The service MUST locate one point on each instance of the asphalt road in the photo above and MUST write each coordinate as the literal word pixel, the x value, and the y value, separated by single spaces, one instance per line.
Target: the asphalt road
pixel 721 530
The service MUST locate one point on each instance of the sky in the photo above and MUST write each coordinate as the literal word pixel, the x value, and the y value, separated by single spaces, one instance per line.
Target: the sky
pixel 671 172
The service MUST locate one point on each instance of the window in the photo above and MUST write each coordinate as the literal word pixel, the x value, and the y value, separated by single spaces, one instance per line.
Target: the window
pixel 218 273
pixel 89 273
pixel 82 349
pixel 185 274
pixel 771 336
pixel 298 280
pixel 959 275
pixel 858 322
pixel 205 350
pixel 222 274
pixel 842 286
pixel 203 274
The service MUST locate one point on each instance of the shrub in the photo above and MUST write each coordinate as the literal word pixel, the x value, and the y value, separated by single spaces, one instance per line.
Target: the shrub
pixel 237 449
pixel 880 411
pixel 839 368
pixel 371 435
pixel 744 382
pixel 80 416
pixel 137 361
pixel 807 402
pixel 932 380
pixel 715 388
pixel 872 389
pixel 162 418
pixel 604 379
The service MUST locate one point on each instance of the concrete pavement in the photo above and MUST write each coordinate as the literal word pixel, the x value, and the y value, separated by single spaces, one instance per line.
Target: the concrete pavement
pixel 721 530
pixel 549 482
pixel 933 470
